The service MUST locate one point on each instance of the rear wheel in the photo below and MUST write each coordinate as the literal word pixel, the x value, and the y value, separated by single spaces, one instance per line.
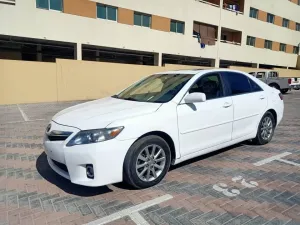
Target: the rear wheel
pixel 147 162
pixel 265 129
pixel 283 91
pixel 275 86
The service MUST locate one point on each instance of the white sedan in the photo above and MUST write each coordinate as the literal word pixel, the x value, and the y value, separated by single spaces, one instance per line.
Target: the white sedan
pixel 163 119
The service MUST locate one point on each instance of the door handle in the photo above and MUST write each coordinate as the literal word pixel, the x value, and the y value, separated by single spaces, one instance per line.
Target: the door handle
pixel 262 97
pixel 227 104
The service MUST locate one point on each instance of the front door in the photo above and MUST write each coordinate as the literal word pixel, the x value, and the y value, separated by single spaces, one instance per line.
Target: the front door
pixel 205 124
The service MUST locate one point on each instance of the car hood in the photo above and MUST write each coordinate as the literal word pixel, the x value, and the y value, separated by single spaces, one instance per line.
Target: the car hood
pixel 100 113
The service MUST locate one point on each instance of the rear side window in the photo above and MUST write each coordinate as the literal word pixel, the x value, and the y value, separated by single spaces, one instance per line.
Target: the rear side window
pixel 236 83
pixel 254 86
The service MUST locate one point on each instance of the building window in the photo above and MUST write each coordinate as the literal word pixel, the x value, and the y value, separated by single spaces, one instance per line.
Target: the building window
pixel 285 23
pixel 251 41
pixel 268 44
pixel 177 27
pixel 253 13
pixel 106 12
pixel 270 18
pixel 296 50
pixel 282 47
pixel 298 26
pixel 142 19
pixel 50 4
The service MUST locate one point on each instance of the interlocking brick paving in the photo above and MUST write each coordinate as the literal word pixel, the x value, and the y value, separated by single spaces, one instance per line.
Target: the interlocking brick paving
pixel 31 193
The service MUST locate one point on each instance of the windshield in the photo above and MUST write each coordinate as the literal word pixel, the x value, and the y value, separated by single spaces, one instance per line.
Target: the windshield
pixel 159 88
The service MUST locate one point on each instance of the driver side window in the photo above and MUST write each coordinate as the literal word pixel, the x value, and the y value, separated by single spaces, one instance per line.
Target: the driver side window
pixel 210 85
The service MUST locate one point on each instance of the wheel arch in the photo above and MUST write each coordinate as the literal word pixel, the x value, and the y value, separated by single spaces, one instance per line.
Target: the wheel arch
pixel 167 138
pixel 274 115
pixel 273 84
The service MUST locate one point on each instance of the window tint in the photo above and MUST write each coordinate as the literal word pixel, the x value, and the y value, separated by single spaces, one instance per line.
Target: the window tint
pixel 285 22
pixel 282 47
pixel 142 19
pixel 251 41
pixel 177 27
pixel 237 83
pixel 43 4
pixel 50 4
pixel 254 86
pixel 253 13
pixel 297 26
pixel 270 18
pixel 106 12
pixel 268 44
pixel 210 85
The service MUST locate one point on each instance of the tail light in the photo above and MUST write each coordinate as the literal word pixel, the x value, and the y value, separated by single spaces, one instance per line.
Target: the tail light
pixel 290 80
pixel 280 96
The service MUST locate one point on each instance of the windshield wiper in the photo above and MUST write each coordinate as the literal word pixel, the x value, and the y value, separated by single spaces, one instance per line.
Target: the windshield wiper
pixel 130 99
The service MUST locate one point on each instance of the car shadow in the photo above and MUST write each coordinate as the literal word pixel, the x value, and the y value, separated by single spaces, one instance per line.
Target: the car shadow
pixel 48 174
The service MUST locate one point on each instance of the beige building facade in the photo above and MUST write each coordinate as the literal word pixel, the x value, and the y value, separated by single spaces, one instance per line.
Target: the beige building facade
pixel 216 33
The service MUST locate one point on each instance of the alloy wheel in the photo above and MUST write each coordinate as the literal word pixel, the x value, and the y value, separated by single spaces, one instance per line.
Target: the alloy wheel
pixel 150 162
pixel 266 128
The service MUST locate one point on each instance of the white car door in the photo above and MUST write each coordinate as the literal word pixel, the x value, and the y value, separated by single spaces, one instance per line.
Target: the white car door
pixel 249 101
pixel 205 124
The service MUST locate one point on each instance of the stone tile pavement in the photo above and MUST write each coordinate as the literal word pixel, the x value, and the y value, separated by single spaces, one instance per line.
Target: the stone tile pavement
pixel 220 188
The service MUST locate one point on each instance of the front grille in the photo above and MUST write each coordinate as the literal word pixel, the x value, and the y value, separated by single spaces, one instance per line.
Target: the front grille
pixel 58 135
pixel 60 165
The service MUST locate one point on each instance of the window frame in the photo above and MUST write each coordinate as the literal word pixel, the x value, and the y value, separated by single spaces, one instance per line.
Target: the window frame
pixel 176 23
pixel 251 39
pixel 284 20
pixel 268 41
pixel 206 75
pixel 295 50
pixel 273 18
pixel 49 6
pixel 106 11
pixel 142 15
pixel 256 13
pixel 281 44
pixel 228 92
pixel 298 26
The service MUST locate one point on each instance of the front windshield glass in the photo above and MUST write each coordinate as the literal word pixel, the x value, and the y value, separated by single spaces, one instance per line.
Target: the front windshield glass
pixel 159 88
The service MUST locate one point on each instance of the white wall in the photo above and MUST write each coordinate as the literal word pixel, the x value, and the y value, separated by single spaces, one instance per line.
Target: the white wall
pixel 26 20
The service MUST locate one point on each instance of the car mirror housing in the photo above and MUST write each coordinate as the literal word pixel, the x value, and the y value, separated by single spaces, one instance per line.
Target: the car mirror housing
pixel 195 97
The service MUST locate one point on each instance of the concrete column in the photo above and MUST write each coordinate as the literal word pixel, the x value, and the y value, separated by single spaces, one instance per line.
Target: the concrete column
pixel 39 53
pixel 217 60
pixel 255 65
pixel 78 51
pixel 97 55
pixel 157 59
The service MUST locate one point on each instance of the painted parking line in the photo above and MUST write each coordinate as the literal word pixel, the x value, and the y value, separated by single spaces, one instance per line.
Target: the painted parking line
pixel 276 158
pixel 132 212
pixel 25 117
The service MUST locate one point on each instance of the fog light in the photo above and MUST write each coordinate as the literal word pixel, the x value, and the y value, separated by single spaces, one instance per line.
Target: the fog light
pixel 90 171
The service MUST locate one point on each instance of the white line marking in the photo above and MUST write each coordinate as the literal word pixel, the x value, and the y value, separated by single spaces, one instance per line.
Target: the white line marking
pixel 288 162
pixel 138 219
pixel 131 210
pixel 270 159
pixel 23 114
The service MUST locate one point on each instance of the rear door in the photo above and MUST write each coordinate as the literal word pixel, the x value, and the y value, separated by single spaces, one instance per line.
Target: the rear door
pixel 249 103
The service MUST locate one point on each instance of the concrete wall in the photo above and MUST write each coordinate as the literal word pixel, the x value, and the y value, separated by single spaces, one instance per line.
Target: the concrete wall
pixel 65 80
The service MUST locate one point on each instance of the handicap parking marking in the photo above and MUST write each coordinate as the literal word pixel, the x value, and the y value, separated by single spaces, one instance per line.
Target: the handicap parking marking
pixel 132 212
pixel 276 158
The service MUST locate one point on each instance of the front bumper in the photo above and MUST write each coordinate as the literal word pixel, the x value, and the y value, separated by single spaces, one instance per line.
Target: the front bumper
pixel 106 157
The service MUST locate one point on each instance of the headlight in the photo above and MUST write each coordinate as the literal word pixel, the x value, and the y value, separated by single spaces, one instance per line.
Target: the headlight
pixel 94 136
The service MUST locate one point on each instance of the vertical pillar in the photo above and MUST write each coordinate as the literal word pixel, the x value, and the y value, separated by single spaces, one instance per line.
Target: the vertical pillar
pixel 78 51
pixel 158 59
pixel 97 55
pixel 39 53
pixel 255 65
pixel 217 60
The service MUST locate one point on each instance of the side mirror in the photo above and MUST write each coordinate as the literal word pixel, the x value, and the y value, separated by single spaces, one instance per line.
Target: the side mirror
pixel 195 97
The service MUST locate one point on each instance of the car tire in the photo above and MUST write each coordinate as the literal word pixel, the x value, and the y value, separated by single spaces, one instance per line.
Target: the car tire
pixel 284 91
pixel 275 86
pixel 137 161
pixel 265 130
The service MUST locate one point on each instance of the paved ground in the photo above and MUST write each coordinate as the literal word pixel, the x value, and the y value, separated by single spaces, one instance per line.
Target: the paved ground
pixel 222 188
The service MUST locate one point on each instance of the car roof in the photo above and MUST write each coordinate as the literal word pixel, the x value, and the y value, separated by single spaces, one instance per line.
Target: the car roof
pixel 198 71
